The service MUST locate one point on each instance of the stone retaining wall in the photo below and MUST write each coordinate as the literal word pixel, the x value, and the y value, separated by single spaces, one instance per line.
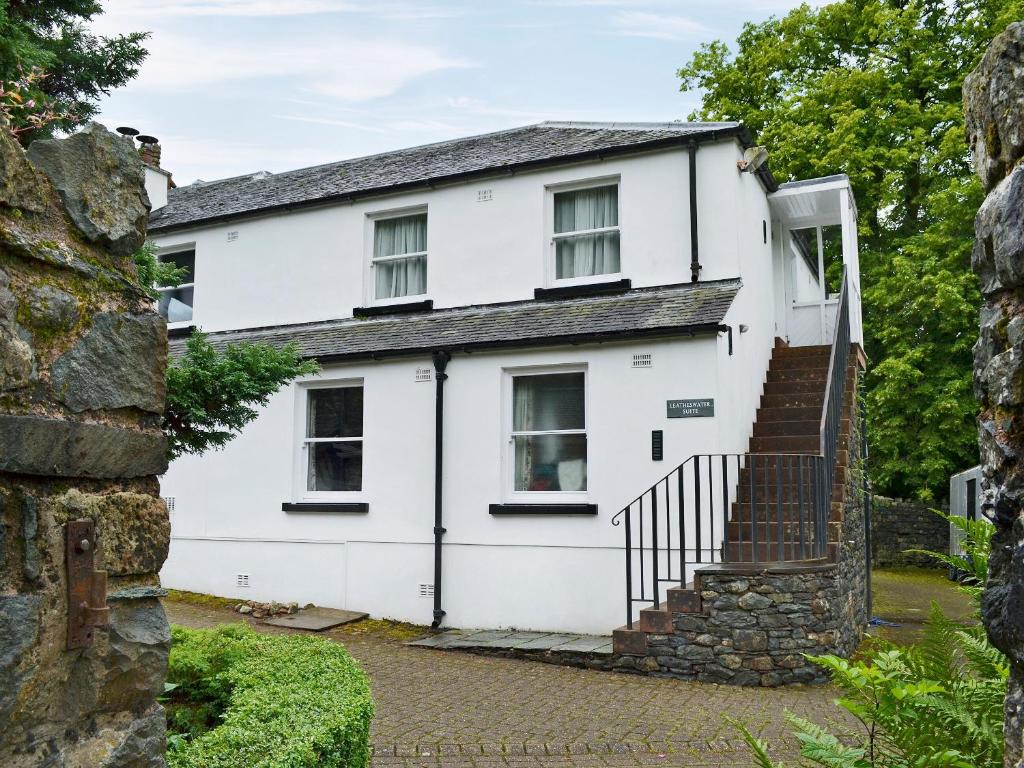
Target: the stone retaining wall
pixel 756 623
pixel 898 525
pixel 994 107
pixel 82 363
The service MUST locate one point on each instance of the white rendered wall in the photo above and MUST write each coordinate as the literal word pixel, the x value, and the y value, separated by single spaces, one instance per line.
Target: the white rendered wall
pixel 156 181
pixel 314 264
pixel 531 572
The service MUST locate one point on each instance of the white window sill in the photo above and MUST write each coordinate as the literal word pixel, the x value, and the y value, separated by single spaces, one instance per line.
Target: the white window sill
pixel 548 497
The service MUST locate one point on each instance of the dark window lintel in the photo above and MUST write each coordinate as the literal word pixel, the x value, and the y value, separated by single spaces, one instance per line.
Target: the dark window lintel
pixel 543 509
pixel 406 308
pixel 358 507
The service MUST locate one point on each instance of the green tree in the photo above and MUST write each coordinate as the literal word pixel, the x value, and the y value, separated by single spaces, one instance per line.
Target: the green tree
pixel 212 394
pixel 872 88
pixel 53 36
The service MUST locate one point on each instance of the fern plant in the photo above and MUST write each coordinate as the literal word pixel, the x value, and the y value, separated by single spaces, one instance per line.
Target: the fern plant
pixel 938 704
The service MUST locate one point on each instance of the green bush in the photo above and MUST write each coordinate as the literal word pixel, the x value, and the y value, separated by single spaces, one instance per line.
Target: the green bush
pixel 238 698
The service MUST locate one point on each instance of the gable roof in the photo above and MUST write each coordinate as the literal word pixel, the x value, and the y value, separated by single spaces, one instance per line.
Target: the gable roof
pixel 644 312
pixel 447 161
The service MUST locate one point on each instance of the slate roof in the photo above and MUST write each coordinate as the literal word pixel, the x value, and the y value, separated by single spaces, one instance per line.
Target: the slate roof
pixel 645 312
pixel 504 151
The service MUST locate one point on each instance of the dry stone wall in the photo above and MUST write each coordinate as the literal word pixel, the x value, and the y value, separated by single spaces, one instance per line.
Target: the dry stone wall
pixel 82 363
pixel 898 525
pixel 994 106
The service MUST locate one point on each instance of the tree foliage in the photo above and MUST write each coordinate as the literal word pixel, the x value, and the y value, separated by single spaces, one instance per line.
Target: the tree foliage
pixel 872 88
pixel 212 394
pixel 53 36
pixel 937 703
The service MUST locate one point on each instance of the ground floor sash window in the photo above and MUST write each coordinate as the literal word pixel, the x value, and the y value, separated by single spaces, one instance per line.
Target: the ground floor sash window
pixel 549 438
pixel 333 442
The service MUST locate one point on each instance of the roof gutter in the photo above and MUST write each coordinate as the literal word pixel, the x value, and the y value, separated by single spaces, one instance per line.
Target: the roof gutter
pixel 740 133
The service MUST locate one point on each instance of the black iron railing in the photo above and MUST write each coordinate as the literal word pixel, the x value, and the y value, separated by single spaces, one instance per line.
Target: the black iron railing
pixel 738 507
pixel 835 387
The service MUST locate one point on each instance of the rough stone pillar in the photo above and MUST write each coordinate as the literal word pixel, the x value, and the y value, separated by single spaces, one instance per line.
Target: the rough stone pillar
pixel 994 104
pixel 82 362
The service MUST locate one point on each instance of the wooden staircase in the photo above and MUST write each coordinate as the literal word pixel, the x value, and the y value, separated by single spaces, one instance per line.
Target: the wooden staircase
pixel 764 525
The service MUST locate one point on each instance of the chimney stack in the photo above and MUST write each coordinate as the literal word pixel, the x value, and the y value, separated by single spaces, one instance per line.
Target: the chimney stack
pixel 150 150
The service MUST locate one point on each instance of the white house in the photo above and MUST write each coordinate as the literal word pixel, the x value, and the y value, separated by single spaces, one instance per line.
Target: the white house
pixel 520 333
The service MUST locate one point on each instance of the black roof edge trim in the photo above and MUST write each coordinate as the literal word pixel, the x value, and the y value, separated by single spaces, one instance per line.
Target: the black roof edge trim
pixel 406 308
pixel 358 507
pixel 588 289
pixel 740 132
pixel 545 341
pixel 542 509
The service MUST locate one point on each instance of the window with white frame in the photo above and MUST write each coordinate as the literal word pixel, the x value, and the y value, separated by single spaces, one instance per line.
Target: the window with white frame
pixel 400 256
pixel 175 303
pixel 586 232
pixel 549 436
pixel 332 444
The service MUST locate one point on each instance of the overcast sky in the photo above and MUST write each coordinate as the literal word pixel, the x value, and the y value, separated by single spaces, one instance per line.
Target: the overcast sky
pixel 234 86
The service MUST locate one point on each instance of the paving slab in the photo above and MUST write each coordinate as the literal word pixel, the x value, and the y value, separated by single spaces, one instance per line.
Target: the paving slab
pixel 486 635
pixel 439 640
pixel 316 619
pixel 586 644
pixel 546 643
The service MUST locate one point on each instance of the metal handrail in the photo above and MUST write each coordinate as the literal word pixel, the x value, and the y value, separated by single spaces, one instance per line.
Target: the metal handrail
pixel 798 485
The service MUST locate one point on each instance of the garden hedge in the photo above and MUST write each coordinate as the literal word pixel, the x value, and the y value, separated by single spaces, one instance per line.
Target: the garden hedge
pixel 239 698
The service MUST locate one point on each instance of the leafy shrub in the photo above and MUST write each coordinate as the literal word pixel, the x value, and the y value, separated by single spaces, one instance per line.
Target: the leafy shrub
pixel 939 703
pixel 240 698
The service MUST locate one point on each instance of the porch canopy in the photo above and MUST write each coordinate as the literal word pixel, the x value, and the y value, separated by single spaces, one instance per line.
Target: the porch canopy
pixel 806 212
pixel 676 310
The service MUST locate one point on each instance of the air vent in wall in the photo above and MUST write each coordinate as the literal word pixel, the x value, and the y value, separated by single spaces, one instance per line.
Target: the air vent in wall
pixel 242 580
pixel 232 235
pixel 169 501
pixel 642 360
pixel 483 195
pixel 425 590
pixel 422 374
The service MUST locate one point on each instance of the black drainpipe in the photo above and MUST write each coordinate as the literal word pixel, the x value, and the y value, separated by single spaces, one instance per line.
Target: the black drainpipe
pixel 694 260
pixel 441 359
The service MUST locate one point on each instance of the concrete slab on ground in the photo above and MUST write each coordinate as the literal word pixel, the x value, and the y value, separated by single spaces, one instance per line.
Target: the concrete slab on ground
pixel 316 619
pixel 518 641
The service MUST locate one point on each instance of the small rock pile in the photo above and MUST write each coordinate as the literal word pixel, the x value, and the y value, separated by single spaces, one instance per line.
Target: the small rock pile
pixel 265 610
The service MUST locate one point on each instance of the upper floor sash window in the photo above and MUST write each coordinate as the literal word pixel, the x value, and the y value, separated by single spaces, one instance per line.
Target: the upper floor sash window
pixel 586 232
pixel 175 304
pixel 400 256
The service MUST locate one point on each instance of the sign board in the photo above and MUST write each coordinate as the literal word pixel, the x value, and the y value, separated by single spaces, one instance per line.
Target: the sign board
pixel 685 409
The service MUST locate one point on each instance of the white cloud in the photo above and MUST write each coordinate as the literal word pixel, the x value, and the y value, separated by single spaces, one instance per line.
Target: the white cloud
pixel 330 121
pixel 657 26
pixel 350 70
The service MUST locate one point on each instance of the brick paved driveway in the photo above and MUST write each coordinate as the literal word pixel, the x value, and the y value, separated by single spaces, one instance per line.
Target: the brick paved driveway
pixel 450 709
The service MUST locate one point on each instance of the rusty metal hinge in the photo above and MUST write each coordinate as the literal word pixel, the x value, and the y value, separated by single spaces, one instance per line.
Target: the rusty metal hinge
pixel 87 589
